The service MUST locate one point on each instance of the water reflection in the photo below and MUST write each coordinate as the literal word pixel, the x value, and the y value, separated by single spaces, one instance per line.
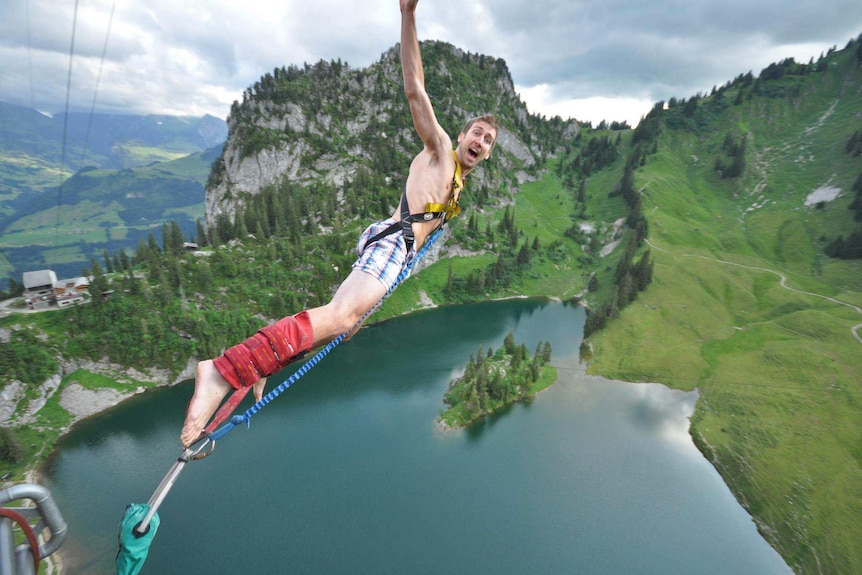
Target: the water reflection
pixel 475 431
pixel 662 412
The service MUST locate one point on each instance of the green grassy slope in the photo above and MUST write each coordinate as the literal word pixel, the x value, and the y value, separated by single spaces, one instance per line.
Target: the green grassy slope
pixel 777 366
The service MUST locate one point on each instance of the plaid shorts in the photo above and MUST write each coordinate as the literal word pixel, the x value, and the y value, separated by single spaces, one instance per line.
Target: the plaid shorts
pixel 385 258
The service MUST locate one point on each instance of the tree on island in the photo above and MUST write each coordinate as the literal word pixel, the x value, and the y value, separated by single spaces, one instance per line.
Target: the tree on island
pixel 494 380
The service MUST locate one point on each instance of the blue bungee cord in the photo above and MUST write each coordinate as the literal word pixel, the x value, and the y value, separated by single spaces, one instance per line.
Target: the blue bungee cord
pixel 308 365
pixel 132 530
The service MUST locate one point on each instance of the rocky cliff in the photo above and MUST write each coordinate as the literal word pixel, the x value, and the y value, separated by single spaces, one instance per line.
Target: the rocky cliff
pixel 325 123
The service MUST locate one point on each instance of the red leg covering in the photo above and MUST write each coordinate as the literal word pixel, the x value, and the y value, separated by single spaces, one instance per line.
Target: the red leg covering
pixel 267 352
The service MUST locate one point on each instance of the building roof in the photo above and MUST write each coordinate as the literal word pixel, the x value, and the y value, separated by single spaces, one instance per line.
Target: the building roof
pixel 39 278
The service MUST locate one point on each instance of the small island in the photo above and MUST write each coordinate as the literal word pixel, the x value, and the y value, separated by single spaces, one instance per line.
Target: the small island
pixel 494 380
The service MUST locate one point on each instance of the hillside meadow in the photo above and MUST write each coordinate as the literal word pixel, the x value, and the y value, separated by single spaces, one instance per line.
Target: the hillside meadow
pixel 745 308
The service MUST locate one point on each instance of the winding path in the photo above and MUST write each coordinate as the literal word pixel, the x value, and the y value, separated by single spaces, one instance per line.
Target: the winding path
pixel 853 330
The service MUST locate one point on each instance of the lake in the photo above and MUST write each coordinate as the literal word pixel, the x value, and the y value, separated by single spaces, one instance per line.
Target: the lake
pixel 345 472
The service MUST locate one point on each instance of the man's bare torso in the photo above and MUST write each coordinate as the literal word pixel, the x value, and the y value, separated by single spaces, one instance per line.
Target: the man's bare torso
pixel 429 181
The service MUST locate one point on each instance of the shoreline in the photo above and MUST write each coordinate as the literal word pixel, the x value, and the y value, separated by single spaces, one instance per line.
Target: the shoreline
pixel 82 403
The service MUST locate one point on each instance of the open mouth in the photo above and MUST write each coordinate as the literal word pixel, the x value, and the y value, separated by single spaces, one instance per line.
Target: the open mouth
pixel 473 153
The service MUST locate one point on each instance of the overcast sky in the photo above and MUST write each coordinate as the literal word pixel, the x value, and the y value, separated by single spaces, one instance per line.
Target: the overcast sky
pixel 590 60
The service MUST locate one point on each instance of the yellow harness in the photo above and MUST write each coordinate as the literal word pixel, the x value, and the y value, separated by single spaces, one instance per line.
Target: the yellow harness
pixel 451 208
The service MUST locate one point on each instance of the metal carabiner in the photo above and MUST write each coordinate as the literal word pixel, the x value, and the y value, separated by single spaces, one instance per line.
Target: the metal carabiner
pixel 197 454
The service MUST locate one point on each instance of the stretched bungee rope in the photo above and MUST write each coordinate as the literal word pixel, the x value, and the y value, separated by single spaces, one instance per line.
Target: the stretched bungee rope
pixel 308 365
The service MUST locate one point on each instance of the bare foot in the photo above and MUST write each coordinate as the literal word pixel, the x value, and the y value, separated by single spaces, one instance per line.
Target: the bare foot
pixel 210 389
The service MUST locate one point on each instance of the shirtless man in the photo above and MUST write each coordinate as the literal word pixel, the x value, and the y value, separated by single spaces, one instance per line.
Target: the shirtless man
pixel 434 183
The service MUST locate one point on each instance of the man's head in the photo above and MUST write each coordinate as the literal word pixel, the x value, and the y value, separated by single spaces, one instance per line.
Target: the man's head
pixel 476 140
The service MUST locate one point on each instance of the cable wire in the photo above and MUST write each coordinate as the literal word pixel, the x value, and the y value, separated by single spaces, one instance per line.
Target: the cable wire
pixel 65 129
pixel 98 81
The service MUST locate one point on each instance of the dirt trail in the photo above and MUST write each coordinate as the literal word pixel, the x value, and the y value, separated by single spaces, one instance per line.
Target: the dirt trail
pixel 853 330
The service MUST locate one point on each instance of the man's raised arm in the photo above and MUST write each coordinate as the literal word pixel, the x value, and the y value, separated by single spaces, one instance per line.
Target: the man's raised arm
pixel 424 119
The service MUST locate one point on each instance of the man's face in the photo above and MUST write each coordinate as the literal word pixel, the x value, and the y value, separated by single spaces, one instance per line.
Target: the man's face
pixel 475 145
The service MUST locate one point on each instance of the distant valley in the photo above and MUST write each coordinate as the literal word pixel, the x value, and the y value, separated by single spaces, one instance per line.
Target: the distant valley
pixel 73 187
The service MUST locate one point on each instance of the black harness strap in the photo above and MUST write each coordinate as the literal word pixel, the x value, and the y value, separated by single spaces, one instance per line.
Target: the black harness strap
pixel 406 223
pixel 379 236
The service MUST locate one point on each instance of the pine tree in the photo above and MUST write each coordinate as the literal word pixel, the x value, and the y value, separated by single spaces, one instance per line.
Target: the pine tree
pixel 496 386
pixel 738 166
pixel 176 238
pixel 546 352
pixel 109 265
pixel 11 448
pixel 125 265
pixel 201 234
pixel 509 343
pixel 524 255
pixel 643 271
pixel 152 245
pixel 470 369
pixel 99 284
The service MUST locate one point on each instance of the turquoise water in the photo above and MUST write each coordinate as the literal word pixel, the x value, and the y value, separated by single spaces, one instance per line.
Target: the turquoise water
pixel 346 472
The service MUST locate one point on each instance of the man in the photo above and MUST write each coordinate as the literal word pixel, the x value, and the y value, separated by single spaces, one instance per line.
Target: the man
pixel 434 183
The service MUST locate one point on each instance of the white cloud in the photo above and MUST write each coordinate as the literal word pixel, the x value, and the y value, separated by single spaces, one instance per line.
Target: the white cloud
pixel 593 109
pixel 591 60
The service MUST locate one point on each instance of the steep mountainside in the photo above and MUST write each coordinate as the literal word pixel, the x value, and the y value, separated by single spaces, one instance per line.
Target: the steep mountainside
pixel 744 190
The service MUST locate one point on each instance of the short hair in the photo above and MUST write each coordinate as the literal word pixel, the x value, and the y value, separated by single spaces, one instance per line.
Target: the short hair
pixel 489 118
